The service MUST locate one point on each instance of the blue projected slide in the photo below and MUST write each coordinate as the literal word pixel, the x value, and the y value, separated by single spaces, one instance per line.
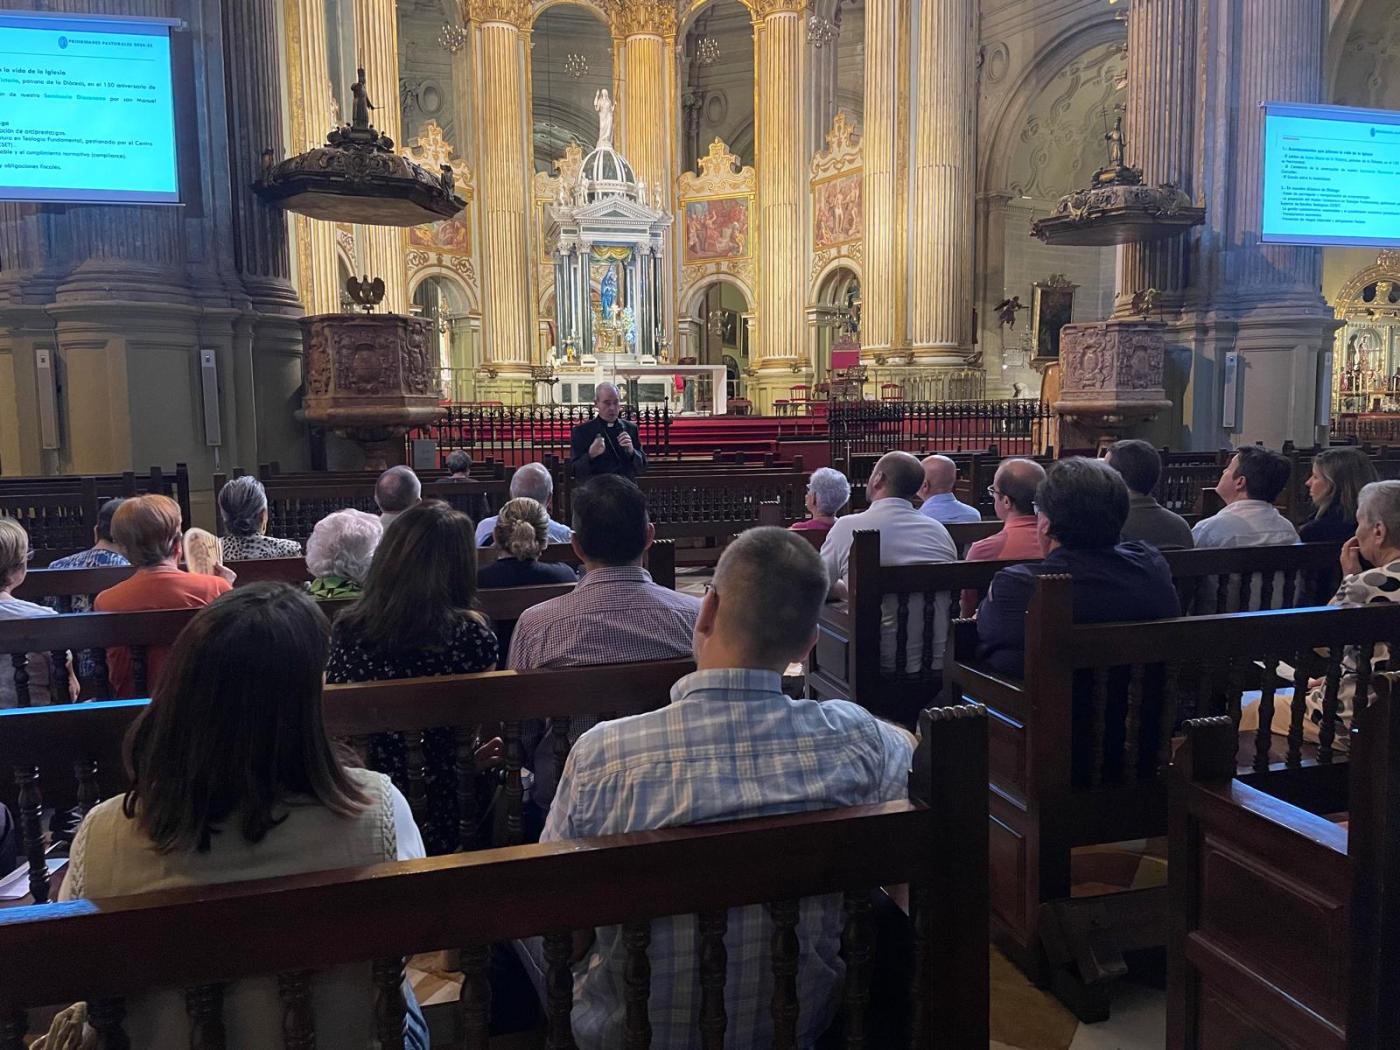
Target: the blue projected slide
pixel 87 110
pixel 1331 175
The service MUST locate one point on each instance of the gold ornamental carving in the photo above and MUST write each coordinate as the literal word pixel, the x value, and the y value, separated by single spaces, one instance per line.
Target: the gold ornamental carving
pixel 644 17
pixel 767 8
pixel 842 151
pixel 511 12
pixel 720 174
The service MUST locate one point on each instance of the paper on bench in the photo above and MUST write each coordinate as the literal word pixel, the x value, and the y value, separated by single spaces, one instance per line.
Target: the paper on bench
pixel 16 884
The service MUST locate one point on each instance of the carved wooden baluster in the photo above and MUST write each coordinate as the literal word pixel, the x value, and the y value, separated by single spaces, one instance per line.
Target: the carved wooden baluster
pixel 474 1002
pixel 922 1020
pixel 1290 590
pixel 785 949
pixel 714 961
pixel 31 823
pixel 417 776
pixel 464 767
pixel 901 633
pixel 1132 723
pixel 389 1005
pixel 1234 688
pixel 636 976
pixel 85 772
pixel 1205 692
pixel 1263 736
pixel 205 1005
pixel 104 678
pixel 1365 665
pixel 1171 675
pixel 559 738
pixel 107 1017
pixel 20 662
pixel 58 677
pixel 857 947
pixel 1294 756
pixel 14 1026
pixel 1100 715
pixel 932 611
pixel 1266 590
pixel 1327 731
pixel 1222 592
pixel 515 787
pixel 559 992
pixel 298 1019
pixel 138 669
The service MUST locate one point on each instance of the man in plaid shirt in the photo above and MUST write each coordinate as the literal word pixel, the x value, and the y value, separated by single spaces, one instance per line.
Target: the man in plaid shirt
pixel 730 745
pixel 616 615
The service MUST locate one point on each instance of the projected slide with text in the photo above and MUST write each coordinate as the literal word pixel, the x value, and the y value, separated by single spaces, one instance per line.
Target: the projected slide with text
pixel 1331 176
pixel 86 111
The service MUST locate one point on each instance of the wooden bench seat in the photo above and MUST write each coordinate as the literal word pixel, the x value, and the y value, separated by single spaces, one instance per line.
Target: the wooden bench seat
pixel 1079 750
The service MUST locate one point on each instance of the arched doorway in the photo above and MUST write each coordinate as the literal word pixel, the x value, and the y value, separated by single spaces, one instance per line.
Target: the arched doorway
pixel 715 328
pixel 835 312
pixel 444 301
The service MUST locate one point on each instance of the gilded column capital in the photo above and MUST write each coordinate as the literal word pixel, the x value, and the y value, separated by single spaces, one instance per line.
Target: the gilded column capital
pixel 763 9
pixel 644 18
pixel 512 12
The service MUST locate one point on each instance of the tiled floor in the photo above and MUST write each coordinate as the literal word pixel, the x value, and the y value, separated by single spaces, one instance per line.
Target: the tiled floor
pixel 1026 1018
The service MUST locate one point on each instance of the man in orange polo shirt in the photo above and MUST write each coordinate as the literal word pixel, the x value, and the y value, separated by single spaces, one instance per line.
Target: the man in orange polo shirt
pixel 147 529
pixel 1013 496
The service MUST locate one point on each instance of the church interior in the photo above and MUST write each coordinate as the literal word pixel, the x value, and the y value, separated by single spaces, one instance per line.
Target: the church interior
pixel 670 301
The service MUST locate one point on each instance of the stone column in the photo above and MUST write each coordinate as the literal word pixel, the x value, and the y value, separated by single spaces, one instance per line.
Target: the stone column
pixel 779 35
pixel 503 172
pixel 1262 301
pixel 1161 99
pixel 941 206
pixel 377 50
pixel 312 115
pixel 644 34
pixel 882 319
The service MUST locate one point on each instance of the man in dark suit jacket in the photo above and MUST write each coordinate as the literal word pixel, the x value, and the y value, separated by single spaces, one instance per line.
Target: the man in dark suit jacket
pixel 606 444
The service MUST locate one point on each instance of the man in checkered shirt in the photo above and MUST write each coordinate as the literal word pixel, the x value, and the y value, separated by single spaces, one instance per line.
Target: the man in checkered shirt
pixel 616 615
pixel 730 745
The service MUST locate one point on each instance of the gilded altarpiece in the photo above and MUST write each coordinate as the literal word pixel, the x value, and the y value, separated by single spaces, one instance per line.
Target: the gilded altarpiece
pixel 448 242
pixel 548 189
pixel 719 222
pixel 838 215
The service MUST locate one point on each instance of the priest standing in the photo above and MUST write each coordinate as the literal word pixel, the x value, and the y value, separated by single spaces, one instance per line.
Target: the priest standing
pixel 606 444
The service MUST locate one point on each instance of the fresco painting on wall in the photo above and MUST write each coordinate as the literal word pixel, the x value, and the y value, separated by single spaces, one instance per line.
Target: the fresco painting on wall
pixel 836 211
pixel 717 228
pixel 447 235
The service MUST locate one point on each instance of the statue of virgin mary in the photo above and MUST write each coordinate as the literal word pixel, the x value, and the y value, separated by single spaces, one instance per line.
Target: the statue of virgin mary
pixel 603 103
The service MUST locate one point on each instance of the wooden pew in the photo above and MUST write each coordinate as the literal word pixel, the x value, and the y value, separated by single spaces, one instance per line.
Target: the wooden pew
pixel 47 951
pixel 845 661
pixel 1079 751
pixel 1284 921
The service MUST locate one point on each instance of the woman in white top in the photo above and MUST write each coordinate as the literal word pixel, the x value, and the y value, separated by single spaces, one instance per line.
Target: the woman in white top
pixel 14 565
pixel 234 778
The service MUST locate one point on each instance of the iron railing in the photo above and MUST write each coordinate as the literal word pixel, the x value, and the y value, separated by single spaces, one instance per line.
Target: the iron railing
pixel 515 435
pixel 1016 427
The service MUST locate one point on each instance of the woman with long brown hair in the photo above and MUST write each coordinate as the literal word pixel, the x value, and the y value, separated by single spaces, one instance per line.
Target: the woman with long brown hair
pixel 1338 476
pixel 417 618
pixel 234 778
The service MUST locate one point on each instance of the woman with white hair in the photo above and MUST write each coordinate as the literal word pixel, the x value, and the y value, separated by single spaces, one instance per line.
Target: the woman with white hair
pixel 1377 543
pixel 243 504
pixel 827 492
pixel 339 554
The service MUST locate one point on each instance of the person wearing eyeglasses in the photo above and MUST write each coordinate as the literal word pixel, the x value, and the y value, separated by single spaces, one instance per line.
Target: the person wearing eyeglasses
pixel 1013 498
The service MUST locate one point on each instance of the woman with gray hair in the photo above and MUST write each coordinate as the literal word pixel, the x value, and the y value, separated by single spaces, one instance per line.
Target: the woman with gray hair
pixel 1377 543
pixel 340 552
pixel 243 504
pixel 827 492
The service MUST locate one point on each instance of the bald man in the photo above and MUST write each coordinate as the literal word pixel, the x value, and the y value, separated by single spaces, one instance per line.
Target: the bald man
pixel 606 444
pixel 906 538
pixel 940 475
pixel 1013 499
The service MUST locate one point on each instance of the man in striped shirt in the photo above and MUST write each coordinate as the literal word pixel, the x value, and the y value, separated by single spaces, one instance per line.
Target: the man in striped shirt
pixel 729 745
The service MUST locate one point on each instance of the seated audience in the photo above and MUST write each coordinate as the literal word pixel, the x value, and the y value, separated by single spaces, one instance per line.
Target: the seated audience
pixel 103 554
pixel 1081 506
pixel 1148 521
pixel 728 724
pixel 532 481
pixel 940 475
pixel 906 538
pixel 1377 542
pixel 234 778
pixel 417 618
pixel 459 466
pixel 827 492
pixel 1250 483
pixel 243 504
pixel 14 563
pixel 147 528
pixel 616 614
pixel 1337 478
pixel 339 553
pixel 522 533
pixel 204 555
pixel 1013 499
pixel 397 489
